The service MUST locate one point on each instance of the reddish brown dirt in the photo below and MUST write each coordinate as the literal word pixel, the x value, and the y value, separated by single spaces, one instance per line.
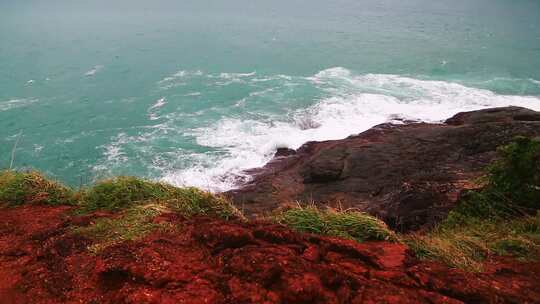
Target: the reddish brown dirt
pixel 213 261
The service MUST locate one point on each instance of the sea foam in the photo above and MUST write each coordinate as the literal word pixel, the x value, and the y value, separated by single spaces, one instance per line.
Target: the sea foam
pixel 352 104
pixel 16 103
pixel 93 71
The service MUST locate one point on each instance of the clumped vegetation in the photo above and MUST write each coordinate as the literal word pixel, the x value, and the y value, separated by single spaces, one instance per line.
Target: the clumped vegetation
pixel 135 201
pixel 468 245
pixel 503 218
pixel 17 188
pixel 193 201
pixel 125 192
pixel 131 224
pixel 512 185
pixel 500 219
pixel 354 225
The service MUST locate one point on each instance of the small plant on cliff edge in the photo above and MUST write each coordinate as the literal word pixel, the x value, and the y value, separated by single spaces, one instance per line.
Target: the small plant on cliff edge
pixel 192 201
pixel 500 219
pixel 17 188
pixel 122 192
pixel 512 185
pixel 131 224
pixel 466 246
pixel 125 192
pixel 517 174
pixel 354 225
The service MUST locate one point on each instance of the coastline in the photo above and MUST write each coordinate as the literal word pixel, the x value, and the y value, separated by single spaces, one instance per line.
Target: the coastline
pixel 409 174
pixel 423 230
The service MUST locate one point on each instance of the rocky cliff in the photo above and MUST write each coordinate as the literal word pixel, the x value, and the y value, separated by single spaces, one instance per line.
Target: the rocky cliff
pixel 408 174
pixel 209 260
pixel 127 240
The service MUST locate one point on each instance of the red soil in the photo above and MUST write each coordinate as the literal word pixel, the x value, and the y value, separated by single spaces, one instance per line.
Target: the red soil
pixel 213 261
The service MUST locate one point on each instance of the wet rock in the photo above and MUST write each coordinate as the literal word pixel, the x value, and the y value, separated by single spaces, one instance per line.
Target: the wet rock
pixel 505 114
pixel 284 152
pixel 410 175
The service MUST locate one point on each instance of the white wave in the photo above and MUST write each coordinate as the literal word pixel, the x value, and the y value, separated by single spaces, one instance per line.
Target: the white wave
pixel 38 148
pixel 525 81
pixel 93 71
pixel 271 78
pixel 159 103
pixel 183 77
pixel 230 78
pixel 15 103
pixel 177 79
pixel 354 104
pixel 114 153
pixel 184 73
pixel 152 110
pixel 236 75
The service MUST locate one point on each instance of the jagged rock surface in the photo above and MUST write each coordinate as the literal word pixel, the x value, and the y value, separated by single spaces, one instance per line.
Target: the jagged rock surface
pixel 410 175
pixel 208 260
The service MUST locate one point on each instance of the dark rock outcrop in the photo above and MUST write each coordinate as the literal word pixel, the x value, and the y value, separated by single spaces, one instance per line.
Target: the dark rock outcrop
pixel 283 152
pixel 410 175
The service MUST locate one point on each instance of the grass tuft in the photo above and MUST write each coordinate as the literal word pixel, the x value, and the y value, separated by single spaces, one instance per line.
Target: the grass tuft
pixel 502 218
pixel 512 186
pixel 468 245
pixel 354 225
pixel 138 202
pixel 17 188
pixel 192 201
pixel 124 192
pixel 131 224
pixel 121 193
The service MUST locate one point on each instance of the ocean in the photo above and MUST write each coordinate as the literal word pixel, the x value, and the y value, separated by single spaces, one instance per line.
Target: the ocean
pixel 195 92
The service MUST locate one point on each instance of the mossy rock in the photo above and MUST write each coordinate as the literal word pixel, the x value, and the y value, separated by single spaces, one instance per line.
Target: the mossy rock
pixel 18 188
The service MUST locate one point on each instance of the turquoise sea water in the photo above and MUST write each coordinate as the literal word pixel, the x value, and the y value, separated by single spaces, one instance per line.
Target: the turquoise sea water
pixel 194 92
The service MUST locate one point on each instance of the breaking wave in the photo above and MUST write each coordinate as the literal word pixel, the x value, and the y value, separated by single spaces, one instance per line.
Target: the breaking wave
pixel 287 111
pixel 16 103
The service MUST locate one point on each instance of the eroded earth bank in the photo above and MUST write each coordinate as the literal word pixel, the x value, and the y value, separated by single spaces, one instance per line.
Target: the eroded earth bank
pixel 131 241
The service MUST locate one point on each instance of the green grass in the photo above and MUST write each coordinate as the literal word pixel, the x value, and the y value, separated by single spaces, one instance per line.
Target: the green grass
pixel 18 188
pixel 467 246
pixel 345 224
pixel 192 201
pixel 511 185
pixel 131 224
pixel 136 202
pixel 125 192
pixel 503 218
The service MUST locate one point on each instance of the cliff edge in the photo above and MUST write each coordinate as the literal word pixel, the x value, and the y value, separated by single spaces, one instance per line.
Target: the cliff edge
pixel 409 174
